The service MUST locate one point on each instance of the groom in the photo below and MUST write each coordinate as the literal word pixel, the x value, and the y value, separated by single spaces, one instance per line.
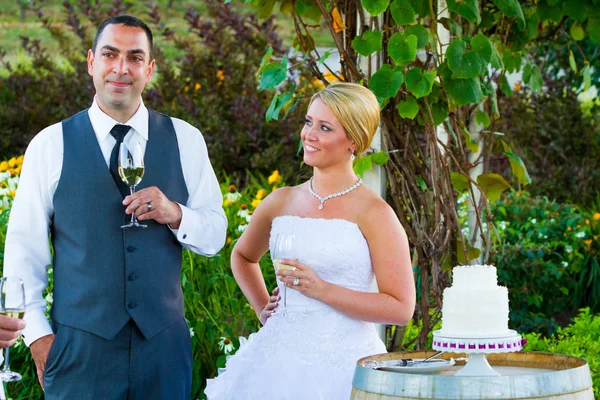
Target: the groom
pixel 118 329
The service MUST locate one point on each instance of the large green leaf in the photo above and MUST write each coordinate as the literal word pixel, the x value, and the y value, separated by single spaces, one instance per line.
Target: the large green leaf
pixel 380 157
pixel 482 46
pixel 278 102
pixel 472 252
pixel 420 32
pixel 577 32
pixel 549 12
pixel 273 74
pixel 439 112
pixel 421 7
pixel 533 21
pixel 536 81
pixel 362 164
pixel 593 29
pixel 496 60
pixel 462 91
pixel 511 8
pixel 459 181
pixel 419 83
pixel 466 63
pixel 471 143
pixel 402 12
pixel 369 43
pixel 265 8
pixel 492 185
pixel 453 26
pixel 309 10
pixel 375 7
pixel 512 60
pixel 505 86
pixel 577 10
pixel 403 49
pixel 386 81
pixel 483 118
pixel 466 8
pixel 266 58
pixel 587 76
pixel 408 108
pixel 518 168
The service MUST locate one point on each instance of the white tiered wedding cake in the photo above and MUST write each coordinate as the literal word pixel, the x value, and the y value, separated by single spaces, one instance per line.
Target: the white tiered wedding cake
pixel 475 306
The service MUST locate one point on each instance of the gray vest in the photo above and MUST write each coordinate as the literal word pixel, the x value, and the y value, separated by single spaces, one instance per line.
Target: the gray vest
pixel 104 275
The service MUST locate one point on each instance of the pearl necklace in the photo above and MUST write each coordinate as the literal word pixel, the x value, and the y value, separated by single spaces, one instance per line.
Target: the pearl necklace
pixel 331 196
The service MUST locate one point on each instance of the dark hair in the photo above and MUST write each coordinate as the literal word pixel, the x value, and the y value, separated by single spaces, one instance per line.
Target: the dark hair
pixel 126 20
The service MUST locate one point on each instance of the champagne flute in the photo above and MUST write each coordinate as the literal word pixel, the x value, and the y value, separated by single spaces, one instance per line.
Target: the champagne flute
pixel 131 171
pixel 12 304
pixel 285 245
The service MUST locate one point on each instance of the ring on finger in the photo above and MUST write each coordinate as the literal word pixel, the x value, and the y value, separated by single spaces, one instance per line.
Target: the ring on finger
pixel 149 206
pixel 296 281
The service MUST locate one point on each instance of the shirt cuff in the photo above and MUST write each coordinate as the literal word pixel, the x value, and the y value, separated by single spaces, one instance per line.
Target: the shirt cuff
pixel 186 226
pixel 37 326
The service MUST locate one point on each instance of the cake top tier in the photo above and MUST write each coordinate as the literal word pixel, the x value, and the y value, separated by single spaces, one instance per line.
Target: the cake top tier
pixel 474 276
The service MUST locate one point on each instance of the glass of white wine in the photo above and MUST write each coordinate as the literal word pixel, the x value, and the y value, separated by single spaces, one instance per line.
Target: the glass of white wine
pixel 285 248
pixel 12 304
pixel 131 171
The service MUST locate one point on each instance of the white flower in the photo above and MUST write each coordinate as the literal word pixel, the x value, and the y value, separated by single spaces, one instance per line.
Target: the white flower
pixel 565 264
pixel 191 332
pixel 243 213
pixel 242 227
pixel 49 299
pixel 248 218
pixel 233 197
pixel 568 248
pixel 502 225
pixel 226 345
pixel 533 220
pixel 580 235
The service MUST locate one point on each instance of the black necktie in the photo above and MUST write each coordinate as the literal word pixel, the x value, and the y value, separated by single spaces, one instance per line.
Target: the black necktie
pixel 118 132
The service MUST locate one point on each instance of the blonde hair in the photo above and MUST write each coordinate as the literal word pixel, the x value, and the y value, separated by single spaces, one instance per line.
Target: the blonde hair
pixel 357 109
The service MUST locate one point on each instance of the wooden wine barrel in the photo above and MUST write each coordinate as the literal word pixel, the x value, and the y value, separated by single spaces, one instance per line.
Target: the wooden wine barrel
pixel 524 375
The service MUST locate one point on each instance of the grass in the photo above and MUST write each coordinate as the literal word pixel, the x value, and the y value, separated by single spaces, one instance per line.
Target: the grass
pixel 12 29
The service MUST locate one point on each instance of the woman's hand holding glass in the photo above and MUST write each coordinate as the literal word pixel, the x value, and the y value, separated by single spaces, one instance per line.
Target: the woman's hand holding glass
pixel 304 279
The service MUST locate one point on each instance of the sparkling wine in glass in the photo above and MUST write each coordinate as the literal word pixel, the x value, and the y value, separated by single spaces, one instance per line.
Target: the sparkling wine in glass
pixel 12 304
pixel 285 248
pixel 131 171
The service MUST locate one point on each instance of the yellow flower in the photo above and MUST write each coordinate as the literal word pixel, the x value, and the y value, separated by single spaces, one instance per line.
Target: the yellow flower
pixel 20 159
pixel 569 228
pixel 275 177
pixel 12 193
pixel 12 162
pixel 229 240
pixel 256 202
pixel 3 166
pixel 197 86
pixel 588 242
pixel 220 75
pixel 517 86
pixel 274 188
pixel 596 216
pixel 587 221
pixel 18 169
pixel 227 202
pixel 186 88
pixel 261 194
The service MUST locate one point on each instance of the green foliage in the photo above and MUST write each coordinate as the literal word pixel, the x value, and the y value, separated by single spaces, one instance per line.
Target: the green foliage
pixel 547 255
pixel 369 43
pixel 579 339
pixel 210 84
pixel 556 139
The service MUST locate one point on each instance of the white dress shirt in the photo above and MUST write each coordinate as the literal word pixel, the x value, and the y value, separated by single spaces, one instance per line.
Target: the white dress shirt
pixel 27 250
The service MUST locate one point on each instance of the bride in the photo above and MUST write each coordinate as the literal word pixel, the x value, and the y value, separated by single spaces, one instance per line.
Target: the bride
pixel 345 236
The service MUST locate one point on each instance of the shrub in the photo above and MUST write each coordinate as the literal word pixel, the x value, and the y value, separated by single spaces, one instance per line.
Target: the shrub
pixel 580 339
pixel 558 142
pixel 548 257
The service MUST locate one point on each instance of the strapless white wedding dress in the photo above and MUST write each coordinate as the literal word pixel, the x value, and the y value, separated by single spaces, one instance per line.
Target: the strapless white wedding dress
pixel 311 353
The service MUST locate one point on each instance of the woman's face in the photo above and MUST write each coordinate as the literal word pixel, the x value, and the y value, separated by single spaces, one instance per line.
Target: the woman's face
pixel 324 138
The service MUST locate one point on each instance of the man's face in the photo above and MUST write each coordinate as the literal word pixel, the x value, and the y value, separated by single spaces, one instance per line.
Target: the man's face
pixel 121 68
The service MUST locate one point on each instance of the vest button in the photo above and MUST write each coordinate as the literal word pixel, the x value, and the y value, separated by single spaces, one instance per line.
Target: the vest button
pixel 184 235
pixel 131 305
pixel 131 249
pixel 132 277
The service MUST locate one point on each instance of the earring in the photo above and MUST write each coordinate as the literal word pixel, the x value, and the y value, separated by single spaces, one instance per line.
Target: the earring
pixel 352 156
